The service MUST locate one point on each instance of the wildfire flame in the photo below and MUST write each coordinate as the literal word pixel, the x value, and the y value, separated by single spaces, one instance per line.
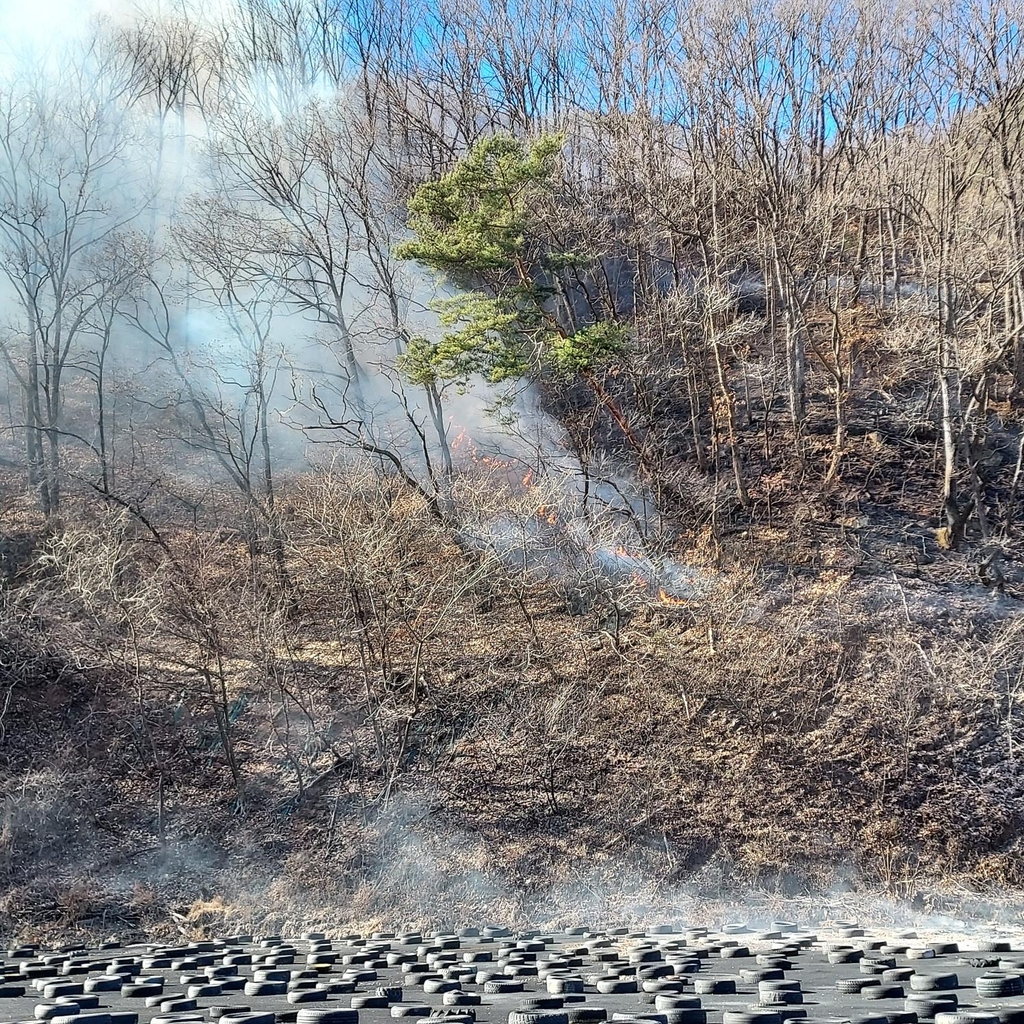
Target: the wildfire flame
pixel 548 513
pixel 666 598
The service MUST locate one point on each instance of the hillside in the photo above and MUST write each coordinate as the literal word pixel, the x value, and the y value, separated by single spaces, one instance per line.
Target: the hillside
pixel 419 720
pixel 496 460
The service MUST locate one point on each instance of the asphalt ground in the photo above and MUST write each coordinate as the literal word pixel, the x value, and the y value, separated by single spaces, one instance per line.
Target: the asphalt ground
pixel 687 965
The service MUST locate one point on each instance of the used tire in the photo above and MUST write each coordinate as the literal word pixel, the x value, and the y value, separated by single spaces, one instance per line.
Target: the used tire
pixel 308 995
pixel 851 986
pixel 327 1017
pixel 265 988
pixel 933 982
pixel 883 992
pixel 999 984
pixel 536 1017
pixel 714 986
pixel 615 986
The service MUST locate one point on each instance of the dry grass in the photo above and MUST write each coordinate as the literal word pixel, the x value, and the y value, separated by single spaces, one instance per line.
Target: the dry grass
pixel 427 733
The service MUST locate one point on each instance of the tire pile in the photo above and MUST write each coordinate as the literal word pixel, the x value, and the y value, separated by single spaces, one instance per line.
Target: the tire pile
pixel 491 976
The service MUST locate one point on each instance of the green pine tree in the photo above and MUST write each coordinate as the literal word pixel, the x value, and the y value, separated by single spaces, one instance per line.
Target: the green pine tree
pixel 473 226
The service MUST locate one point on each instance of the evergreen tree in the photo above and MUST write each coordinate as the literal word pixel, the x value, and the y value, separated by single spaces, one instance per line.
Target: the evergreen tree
pixel 476 227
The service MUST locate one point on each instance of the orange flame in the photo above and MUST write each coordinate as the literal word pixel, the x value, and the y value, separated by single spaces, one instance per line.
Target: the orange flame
pixel 666 598
pixel 528 479
pixel 548 513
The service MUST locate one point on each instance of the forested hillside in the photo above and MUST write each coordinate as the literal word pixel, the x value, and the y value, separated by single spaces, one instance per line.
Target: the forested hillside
pixel 476 449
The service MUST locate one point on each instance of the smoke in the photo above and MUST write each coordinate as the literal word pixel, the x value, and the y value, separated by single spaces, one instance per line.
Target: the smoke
pixel 252 216
pixel 416 873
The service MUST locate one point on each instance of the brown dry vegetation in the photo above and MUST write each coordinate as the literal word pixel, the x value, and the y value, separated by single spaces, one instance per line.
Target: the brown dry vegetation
pixel 422 728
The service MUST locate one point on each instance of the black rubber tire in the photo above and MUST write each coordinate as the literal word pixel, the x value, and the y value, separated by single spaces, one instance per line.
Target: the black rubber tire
pixel 410 1010
pixel 714 986
pixel 668 1003
pixel 246 1018
pixel 645 956
pixel 47 1011
pixel 751 1017
pixel 361 976
pixel 926 1007
pixel 499 986
pixel 933 982
pixel 537 1017
pixel 83 1001
pixel 883 991
pixel 652 972
pixel 435 986
pixel 307 995
pixel 662 987
pixel 753 976
pixel 62 988
pixel 368 1002
pixel 896 975
pixel 966 1017
pixel 616 986
pixel 689 1016
pixel 557 985
pixel 780 998
pixel 844 956
pixel 83 1018
pixel 332 1016
pixel 734 952
pixel 105 984
pixel 460 998
pixel 851 986
pixel 265 988
pixel 586 1014
pixel 339 987
pixel 999 985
